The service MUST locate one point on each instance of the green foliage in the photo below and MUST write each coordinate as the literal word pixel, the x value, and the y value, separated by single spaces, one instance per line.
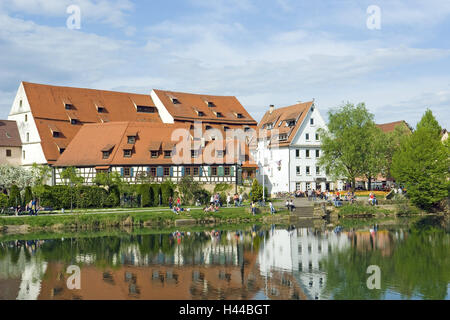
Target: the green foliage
pixel 393 141
pixel 66 197
pixel 167 191
pixel 157 194
pixel 422 164
pixel 202 195
pixel 28 196
pixel 428 121
pixel 3 200
pixel 256 193
pixel 14 197
pixel 351 147
pixel 222 187
pixel 359 209
pixel 188 188
pixel 69 176
pixel 146 193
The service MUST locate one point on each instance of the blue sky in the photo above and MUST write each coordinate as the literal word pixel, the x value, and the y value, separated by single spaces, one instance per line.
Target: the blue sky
pixel 264 52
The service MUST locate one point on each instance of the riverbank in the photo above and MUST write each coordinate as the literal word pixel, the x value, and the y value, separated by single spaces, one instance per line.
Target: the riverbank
pixel 136 218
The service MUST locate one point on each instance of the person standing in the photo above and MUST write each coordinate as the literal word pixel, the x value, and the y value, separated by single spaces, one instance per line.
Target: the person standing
pixel 240 200
pixel 272 209
pixel 253 208
pixel 228 200
pixel 170 202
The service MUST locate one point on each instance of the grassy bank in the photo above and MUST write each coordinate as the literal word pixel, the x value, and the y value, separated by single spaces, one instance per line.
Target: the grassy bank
pixel 99 220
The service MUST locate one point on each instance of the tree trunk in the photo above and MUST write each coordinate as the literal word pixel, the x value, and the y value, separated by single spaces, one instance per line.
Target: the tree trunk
pixel 370 183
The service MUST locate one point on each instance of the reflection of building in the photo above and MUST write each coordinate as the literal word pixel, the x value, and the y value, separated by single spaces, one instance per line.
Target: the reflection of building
pixel 300 251
pixel 370 241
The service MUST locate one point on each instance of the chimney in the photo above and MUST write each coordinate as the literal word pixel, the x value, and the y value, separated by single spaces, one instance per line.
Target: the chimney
pixel 271 108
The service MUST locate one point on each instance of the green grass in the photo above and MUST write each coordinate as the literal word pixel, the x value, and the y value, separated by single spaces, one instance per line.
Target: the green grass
pixel 359 209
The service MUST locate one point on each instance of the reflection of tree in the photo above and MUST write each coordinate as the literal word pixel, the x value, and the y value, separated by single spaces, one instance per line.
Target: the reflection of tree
pixel 419 265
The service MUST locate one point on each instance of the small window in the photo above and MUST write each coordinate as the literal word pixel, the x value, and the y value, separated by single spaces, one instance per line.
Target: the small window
pixel 282 137
pixel 317 170
pixel 297 170
pixel 23 154
pixel 187 171
pixel 290 123
pixel 61 150
pixel 307 153
pixel 317 153
pixel 167 154
pixel 166 171
pixel 200 113
pixel 68 106
pixel 211 104
pixel 196 171
pixel 153 171
pixel 127 172
pixel 247 129
pixel 127 153
pixel 214 171
pixel 311 121
pixel 131 140
pixel 106 154
pixel 297 153
pixel 28 137
pixel 101 110
pixel 20 103
pixel 155 154
pixel 227 171
pixel 220 153
pixel 219 115
pixel 26 118
pixel 317 137
pixel 73 121
pixel 175 101
pixel 239 116
pixel 55 134
pixel 208 128
pixel 8 153
pixel 194 153
pixel 145 109
pixel 307 136
pixel 308 171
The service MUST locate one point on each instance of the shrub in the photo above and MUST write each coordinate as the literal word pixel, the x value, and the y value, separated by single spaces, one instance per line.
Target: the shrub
pixel 202 195
pixel 3 200
pixel 146 193
pixel 28 196
pixel 167 191
pixel 156 194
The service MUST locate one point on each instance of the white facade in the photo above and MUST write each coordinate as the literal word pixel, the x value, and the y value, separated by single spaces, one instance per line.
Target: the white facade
pixel 295 167
pixel 31 141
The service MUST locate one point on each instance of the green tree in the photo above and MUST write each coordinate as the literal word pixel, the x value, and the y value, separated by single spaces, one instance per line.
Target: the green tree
pixel 393 141
pixel 69 176
pixel 256 191
pixel 375 158
pixel 3 200
pixel 14 196
pixel 346 145
pixel 422 165
pixel 28 195
pixel 188 188
pixel 429 121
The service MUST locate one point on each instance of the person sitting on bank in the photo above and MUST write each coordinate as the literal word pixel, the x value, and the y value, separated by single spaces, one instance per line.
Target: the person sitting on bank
pixel 291 206
pixel 272 209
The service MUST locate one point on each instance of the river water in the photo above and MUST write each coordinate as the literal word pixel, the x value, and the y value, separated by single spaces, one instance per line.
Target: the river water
pixel 254 262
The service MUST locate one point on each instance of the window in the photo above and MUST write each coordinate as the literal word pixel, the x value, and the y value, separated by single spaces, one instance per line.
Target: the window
pixel 298 170
pixel 200 113
pixel 227 171
pixel 226 129
pixel 311 121
pixel 239 116
pixel 307 137
pixel 290 123
pixel 246 129
pixel 297 153
pixel 219 115
pixel 145 109
pixel 194 153
pixel 73 121
pixel 127 172
pixel 219 153
pixel 55 134
pixel 196 171
pixel 317 137
pixel 131 140
pixel 154 154
pixel 101 110
pixel 282 137
pixel 298 187
pixel 187 171
pixel 8 152
pixel 26 118
pixel 167 154
pixel 210 104
pixel 307 153
pixel 68 106
pixel 127 153
pixel 208 127
pixel 61 150
pixel 106 154
pixel 166 171
pixel 308 186
pixel 317 153
pixel 308 171
pixel 23 154
pixel 214 171
pixel 20 103
pixel 153 171
pixel 28 137
pixel 175 101
pixel 317 170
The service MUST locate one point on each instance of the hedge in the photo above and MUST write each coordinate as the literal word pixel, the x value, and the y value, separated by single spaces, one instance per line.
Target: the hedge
pixel 57 197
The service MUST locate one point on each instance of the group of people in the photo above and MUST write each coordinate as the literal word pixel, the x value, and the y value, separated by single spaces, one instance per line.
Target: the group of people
pixel 211 208
pixel 31 207
pixel 290 205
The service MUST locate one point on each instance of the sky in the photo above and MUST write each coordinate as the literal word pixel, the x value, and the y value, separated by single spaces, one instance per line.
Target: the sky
pixel 395 58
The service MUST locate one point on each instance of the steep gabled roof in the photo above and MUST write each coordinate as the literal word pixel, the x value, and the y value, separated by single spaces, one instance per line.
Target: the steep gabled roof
pixel 278 120
pixel 390 126
pixel 188 105
pixel 48 107
pixel 9 134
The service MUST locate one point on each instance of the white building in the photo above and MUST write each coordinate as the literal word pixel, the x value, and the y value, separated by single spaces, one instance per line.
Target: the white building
pixel 288 156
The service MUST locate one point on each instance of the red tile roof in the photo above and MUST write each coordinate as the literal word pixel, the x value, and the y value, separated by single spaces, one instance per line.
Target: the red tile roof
pixel 389 127
pixel 48 108
pixel 9 134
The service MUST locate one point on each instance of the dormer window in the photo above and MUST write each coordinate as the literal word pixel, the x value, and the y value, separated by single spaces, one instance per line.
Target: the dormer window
pixel 73 121
pixel 101 109
pixel 145 109
pixel 167 154
pixel 282 137
pixel 246 129
pixel 269 126
pixel 131 139
pixel 154 154
pixel 106 151
pixel 175 100
pixel 200 113
pixel 239 115
pixel 219 115
pixel 290 123
pixel 61 150
pixel 69 106
pixel 55 134
pixel 106 154
pixel 210 104
pixel 208 127
pixel 127 153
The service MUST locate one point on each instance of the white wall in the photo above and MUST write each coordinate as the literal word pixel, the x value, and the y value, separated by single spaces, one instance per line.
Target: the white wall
pixel 32 147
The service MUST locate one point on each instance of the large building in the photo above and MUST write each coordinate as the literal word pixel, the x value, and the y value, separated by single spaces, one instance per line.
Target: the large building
pixel 289 148
pixel 50 117
pixel 10 143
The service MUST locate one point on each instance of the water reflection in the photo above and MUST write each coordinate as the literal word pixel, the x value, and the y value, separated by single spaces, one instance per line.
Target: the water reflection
pixel 256 263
